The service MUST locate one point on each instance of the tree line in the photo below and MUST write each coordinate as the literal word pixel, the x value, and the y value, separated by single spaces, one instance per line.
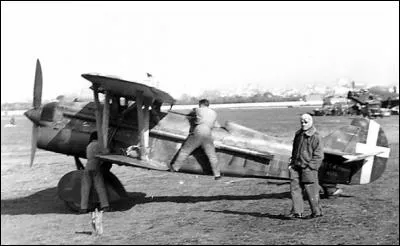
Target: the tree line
pixel 215 98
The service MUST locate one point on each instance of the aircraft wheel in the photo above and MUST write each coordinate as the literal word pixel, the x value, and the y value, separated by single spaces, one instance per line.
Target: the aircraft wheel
pixel 69 190
pixel 75 207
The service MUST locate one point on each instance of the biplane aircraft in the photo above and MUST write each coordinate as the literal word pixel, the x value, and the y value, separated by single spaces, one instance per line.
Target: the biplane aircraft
pixel 130 118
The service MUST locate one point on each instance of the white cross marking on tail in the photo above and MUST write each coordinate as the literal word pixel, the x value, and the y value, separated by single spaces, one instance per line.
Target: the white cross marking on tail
pixel 370 147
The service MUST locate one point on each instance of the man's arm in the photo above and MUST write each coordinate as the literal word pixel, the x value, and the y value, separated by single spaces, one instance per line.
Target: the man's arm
pixel 292 157
pixel 217 124
pixel 318 153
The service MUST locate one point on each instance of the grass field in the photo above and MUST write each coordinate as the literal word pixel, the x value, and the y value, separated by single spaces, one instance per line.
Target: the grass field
pixel 174 208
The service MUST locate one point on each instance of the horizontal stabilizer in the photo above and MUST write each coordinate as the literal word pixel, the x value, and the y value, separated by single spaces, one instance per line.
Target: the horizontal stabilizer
pixel 350 157
pixel 336 152
pixel 358 157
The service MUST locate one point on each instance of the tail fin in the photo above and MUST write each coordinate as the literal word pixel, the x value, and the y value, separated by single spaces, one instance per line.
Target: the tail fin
pixel 363 151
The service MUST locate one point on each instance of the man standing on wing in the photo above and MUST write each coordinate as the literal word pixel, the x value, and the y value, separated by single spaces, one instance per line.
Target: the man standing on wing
pixel 205 119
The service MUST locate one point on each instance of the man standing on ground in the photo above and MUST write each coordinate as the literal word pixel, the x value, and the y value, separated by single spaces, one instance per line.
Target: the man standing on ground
pixel 93 174
pixel 307 156
pixel 205 119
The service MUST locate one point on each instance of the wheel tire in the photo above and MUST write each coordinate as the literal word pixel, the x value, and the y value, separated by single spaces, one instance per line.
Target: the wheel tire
pixel 76 207
pixel 73 206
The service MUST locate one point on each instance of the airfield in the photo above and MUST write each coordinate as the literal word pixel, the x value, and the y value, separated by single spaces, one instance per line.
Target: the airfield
pixel 174 208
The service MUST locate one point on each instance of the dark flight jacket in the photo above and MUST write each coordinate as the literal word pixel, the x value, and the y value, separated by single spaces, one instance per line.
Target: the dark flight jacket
pixel 307 149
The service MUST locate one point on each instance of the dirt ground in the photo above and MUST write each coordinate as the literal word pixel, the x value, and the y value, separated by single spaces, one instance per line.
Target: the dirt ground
pixel 174 208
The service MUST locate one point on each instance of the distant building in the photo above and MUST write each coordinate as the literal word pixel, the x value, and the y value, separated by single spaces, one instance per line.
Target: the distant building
pixel 314 97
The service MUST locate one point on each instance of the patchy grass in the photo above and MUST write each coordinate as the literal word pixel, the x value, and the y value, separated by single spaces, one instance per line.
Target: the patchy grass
pixel 161 210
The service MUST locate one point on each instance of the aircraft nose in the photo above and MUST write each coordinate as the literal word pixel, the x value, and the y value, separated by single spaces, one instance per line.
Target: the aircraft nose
pixel 33 115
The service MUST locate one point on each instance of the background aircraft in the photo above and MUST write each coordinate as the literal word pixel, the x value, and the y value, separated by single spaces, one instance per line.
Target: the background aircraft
pixel 130 119
pixel 371 104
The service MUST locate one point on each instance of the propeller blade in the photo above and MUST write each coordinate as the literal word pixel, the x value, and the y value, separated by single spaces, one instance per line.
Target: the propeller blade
pixel 37 90
pixel 35 133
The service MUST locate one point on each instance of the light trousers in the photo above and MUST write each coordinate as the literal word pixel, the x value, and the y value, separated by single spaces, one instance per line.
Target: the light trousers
pixel 311 189
pixel 193 142
pixel 95 177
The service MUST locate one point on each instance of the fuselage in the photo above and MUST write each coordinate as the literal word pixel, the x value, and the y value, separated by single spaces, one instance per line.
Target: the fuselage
pixel 66 128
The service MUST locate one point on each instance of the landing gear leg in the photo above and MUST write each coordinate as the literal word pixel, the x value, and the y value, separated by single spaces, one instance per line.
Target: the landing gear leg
pixel 78 163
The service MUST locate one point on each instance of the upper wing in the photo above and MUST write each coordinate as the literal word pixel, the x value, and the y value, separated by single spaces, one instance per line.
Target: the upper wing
pixel 128 89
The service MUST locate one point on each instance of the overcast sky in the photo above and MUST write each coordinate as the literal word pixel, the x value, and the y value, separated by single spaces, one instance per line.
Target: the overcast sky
pixel 190 47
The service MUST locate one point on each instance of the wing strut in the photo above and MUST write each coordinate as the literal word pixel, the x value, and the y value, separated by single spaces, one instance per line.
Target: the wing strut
pixel 102 119
pixel 106 120
pixel 143 115
pixel 115 89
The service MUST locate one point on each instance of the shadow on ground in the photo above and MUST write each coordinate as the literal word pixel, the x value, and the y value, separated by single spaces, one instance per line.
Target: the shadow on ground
pixel 255 214
pixel 47 201
pixel 195 199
